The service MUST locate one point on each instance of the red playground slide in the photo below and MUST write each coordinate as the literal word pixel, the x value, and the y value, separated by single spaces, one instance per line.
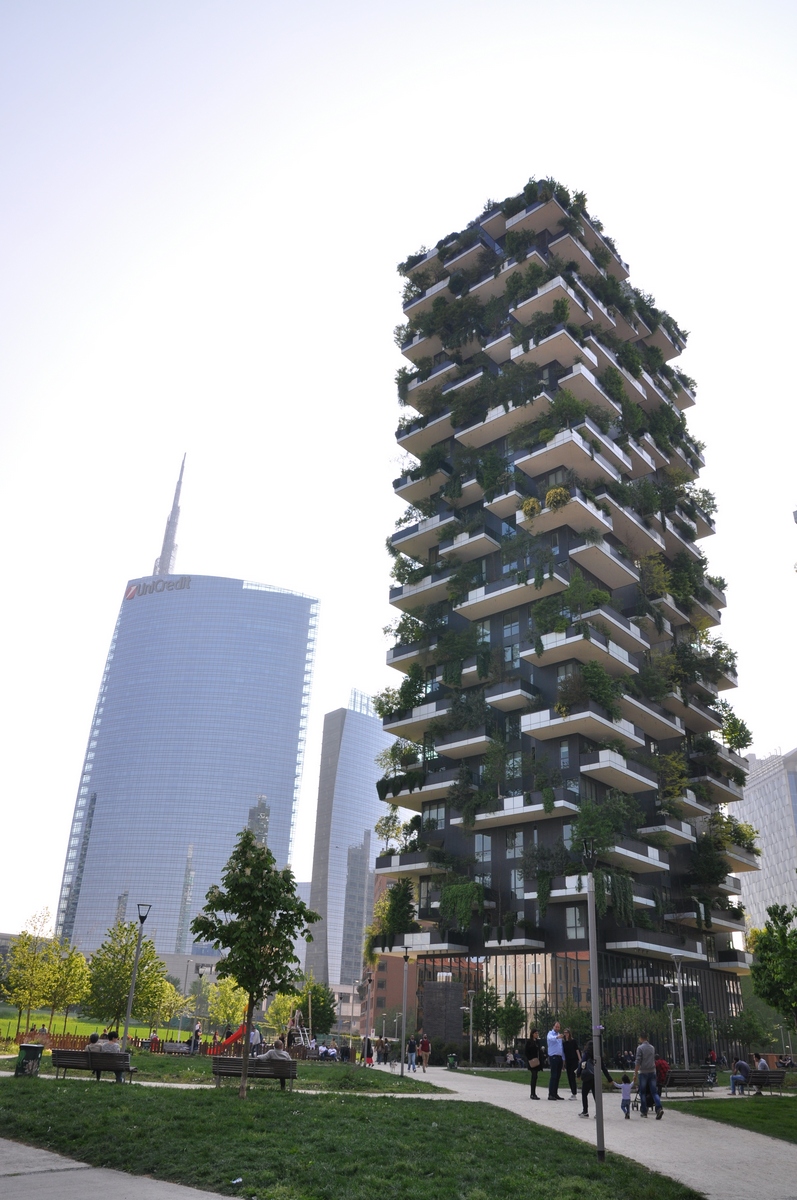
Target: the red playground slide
pixel 234 1037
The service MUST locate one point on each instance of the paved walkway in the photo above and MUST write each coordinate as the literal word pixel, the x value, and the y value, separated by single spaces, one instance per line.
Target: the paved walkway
pixel 30 1174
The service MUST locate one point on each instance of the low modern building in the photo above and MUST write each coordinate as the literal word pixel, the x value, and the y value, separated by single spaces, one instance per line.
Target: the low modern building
pixel 197 733
pixel 770 806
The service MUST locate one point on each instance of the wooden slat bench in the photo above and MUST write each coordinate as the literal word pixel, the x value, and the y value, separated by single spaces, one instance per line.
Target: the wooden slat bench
pixel 176 1048
pixel 259 1068
pixel 766 1079
pixel 694 1080
pixel 91 1060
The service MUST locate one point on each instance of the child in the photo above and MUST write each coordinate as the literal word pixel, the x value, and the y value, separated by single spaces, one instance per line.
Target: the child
pixel 625 1100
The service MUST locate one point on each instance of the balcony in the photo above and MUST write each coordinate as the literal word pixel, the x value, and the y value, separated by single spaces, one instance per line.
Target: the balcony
pixel 413 723
pixel 505 504
pixel 491 285
pixel 579 514
pixel 402 657
pixel 498 422
pixel 430 941
pixel 515 811
pixel 571 450
pixel 622 631
pixel 649 943
pixel 691 463
pixel 654 395
pixel 695 716
pixel 606 563
pixel 651 718
pixel 464 743
pixel 544 299
pixel 430 590
pixel 560 346
pixel 572 250
pixel 399 866
pixel 671 609
pixel 519 941
pixel 609 767
pixel 717 596
pixel 593 239
pixel 721 790
pixel 589 721
pixel 545 214
pixel 575 646
pixel 606 358
pixel 468 546
pixel 457 385
pixel 728 679
pixel 436 787
pixel 641 460
pixel 495 597
pixel 722 921
pixel 738 962
pixel 411 490
pixel 680 833
pixel 499 348
pixel 703 615
pixel 640 538
pixel 675 540
pixel 692 807
pixel 636 856
pixel 422 434
pixel 419 347
pixel 655 635
pixel 684 396
pixel 583 384
pixel 511 694
pixel 662 340
pixel 654 450
pixel 416 540
pixel 729 757
pixel 731 886
pixel 424 302
pixel 740 860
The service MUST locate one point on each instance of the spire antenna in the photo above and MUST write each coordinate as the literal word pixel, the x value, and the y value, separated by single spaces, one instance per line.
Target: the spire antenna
pixel 164 563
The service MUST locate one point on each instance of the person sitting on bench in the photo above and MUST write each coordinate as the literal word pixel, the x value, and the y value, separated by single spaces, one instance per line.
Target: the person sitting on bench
pixel 112 1047
pixel 278 1051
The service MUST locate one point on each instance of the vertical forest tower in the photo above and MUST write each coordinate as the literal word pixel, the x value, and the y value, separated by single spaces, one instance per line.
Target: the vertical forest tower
pixel 563 679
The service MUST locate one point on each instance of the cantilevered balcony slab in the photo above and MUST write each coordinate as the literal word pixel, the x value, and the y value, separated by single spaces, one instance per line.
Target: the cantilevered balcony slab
pixel 422 434
pixel 467 546
pixel 680 833
pixel 544 299
pixel 641 460
pixel 631 529
pixel 560 346
pixel 690 463
pixel 607 358
pixel 498 422
pixel 493 284
pixel 572 250
pixel 660 458
pixel 511 695
pixel 684 396
pixel 514 811
pixel 582 382
pixel 722 921
pixel 512 945
pixel 740 860
pixel 738 962
pixel 402 657
pixel 579 514
pixel 574 646
pixel 436 787
pixel 651 630
pixel 671 609
pixel 457 385
pixel 649 716
pixel 414 722
pixel 661 339
pixel 571 450
pixel 417 539
pixel 594 241
pixel 654 395
pixel 495 597
pixel 648 943
pixel 430 590
pixel 401 866
pixel 692 807
pixel 419 347
pixel 721 790
pixel 505 504
pixel 412 490
pixel 472 491
pixel 429 941
pixel 464 743
pixel 622 631
pixel 718 598
pixel 589 721
pixel 424 302
pixel 703 615
pixel 604 562
pixel 636 857
pixel 695 716
pixel 544 214
pixel 500 347
pixel 675 541
pixel 609 767
pixel 731 886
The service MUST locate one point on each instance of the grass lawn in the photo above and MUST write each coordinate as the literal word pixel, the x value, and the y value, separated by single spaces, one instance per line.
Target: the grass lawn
pixel 311 1076
pixel 776 1116
pixel 318 1147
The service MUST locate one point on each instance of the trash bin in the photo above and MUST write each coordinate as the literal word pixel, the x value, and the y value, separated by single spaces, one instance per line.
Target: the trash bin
pixel 30 1055
pixel 452 1062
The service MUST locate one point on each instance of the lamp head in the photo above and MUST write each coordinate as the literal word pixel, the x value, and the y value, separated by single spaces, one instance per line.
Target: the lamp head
pixel 143 912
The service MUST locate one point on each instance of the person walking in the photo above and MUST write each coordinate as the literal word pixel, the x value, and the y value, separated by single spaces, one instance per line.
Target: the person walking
pixel 556 1060
pixel 572 1057
pixel 412 1051
pixel 625 1098
pixel 586 1072
pixel 645 1073
pixel 426 1050
pixel 534 1060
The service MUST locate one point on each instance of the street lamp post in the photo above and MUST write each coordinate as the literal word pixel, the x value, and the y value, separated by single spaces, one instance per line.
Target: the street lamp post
pixel 468 1008
pixel 671 1010
pixel 590 861
pixel 404 1011
pixel 395 1025
pixel 185 993
pixel 713 1036
pixel 143 913
pixel 677 959
pixel 368 981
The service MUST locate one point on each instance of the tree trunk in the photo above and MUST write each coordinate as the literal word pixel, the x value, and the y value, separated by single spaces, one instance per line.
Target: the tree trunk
pixel 52 1018
pixel 250 1007
pixel 66 1016
pixel 19 1019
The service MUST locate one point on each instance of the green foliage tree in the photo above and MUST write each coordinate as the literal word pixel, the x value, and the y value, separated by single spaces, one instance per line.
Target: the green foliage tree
pixel 29 965
pixel 111 970
pixel 774 971
pixel 67 982
pixel 255 916
pixel 279 1011
pixel 511 1018
pixel 317 1002
pixel 394 914
pixel 171 1002
pixel 226 1004
pixel 486 1008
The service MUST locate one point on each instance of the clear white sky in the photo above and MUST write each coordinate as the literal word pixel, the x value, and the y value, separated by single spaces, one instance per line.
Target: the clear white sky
pixel 202 208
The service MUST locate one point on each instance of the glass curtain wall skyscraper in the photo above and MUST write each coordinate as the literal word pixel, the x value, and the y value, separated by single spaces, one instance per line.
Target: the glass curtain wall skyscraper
pixel 342 889
pixel 198 732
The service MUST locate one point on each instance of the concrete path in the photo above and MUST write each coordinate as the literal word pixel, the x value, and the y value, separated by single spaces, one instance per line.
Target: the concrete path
pixel 721 1161
pixel 30 1174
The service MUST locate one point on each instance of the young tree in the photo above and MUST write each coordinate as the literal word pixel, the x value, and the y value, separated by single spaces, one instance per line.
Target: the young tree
pixel 30 961
pixel 227 1003
pixel 171 1002
pixel 486 1007
pixel 511 1018
pixel 388 827
pixel 111 970
pixel 280 1011
pixel 67 981
pixel 255 916
pixel 775 970
pixel 323 1007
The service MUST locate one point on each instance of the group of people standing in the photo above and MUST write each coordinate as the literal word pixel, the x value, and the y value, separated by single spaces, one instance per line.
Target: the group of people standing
pixel 566 1057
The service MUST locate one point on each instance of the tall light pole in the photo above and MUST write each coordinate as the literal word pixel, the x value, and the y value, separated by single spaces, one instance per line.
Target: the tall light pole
pixel 143 913
pixel 185 993
pixel 671 1010
pixel 468 1008
pixel 677 959
pixel 404 1010
pixel 713 1035
pixel 590 862
pixel 368 981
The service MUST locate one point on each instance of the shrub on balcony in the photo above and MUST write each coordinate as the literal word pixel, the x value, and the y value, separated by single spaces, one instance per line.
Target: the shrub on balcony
pixel 395 700
pixel 458 901
pixel 556 498
pixel 542 863
pixel 394 915
pixel 531 508
pixel 591 682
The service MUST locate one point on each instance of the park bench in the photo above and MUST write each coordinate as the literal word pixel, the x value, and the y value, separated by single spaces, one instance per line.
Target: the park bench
pixel 694 1081
pixel 176 1048
pixel 259 1068
pixel 91 1060
pixel 766 1079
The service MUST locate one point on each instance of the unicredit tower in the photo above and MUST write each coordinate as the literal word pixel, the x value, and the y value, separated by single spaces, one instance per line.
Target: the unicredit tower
pixel 198 732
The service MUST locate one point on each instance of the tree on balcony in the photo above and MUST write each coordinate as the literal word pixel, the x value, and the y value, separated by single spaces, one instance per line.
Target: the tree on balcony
pixel 394 915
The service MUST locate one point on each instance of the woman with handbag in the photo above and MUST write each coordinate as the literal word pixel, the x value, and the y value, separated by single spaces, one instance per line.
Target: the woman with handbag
pixel 534 1059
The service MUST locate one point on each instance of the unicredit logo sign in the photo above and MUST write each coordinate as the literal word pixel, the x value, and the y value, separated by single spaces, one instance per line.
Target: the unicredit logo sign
pixel 158 585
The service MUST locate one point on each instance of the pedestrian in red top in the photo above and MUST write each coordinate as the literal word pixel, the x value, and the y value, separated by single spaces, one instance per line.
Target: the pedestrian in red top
pixel 426 1050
